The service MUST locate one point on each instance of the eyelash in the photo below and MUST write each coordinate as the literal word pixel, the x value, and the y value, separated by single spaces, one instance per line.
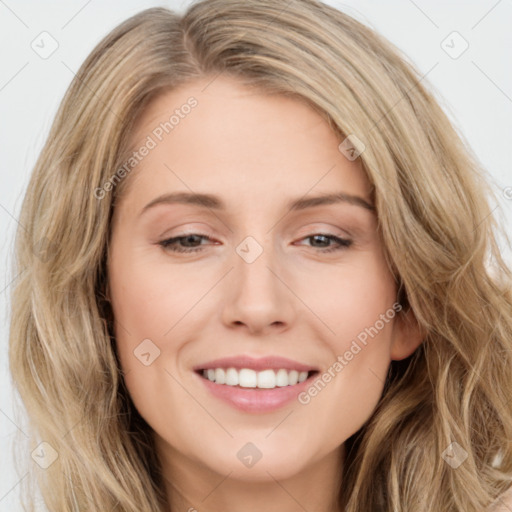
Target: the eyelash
pixel 169 244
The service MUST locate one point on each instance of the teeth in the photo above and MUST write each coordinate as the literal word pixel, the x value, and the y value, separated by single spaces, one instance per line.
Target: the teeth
pixel 267 379
pixel 220 376
pixel 282 378
pixel 231 377
pixel 247 378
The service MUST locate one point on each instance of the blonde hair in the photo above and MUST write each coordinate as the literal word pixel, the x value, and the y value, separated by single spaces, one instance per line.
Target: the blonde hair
pixel 439 235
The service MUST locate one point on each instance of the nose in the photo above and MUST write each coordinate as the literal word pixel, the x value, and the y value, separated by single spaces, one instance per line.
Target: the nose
pixel 259 298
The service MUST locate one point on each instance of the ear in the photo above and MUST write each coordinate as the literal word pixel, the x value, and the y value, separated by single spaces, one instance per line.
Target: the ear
pixel 407 335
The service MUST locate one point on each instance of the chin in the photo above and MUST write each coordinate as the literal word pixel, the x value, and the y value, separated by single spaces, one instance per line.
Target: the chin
pixel 259 460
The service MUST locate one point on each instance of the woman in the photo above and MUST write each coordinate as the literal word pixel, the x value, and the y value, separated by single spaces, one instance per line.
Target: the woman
pixel 179 339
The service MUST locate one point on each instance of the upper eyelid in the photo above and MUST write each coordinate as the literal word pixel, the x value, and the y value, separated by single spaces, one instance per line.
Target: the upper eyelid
pixel 314 229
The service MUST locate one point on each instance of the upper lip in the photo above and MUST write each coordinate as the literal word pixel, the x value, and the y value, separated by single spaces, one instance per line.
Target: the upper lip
pixel 257 364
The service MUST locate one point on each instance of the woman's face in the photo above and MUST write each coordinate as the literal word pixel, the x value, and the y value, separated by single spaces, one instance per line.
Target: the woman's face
pixel 262 286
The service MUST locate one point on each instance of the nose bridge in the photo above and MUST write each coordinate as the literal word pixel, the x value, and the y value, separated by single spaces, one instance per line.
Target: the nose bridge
pixel 257 297
pixel 254 259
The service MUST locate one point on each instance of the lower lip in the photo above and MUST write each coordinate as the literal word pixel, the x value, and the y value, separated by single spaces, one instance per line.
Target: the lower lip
pixel 256 400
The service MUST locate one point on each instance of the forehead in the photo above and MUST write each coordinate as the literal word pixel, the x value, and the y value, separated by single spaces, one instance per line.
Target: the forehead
pixel 239 143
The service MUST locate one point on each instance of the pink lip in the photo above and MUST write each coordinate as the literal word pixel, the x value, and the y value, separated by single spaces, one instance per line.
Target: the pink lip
pixel 256 400
pixel 257 364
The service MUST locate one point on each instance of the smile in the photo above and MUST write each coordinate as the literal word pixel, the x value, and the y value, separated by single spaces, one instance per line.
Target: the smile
pixel 255 385
pixel 249 378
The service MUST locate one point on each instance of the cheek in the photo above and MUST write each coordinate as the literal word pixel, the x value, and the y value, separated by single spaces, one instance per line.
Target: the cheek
pixel 349 298
pixel 153 307
pixel 357 305
pixel 145 308
pixel 349 387
pixel 149 300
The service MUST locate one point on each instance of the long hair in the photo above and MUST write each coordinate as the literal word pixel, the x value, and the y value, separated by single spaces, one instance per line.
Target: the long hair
pixel 432 199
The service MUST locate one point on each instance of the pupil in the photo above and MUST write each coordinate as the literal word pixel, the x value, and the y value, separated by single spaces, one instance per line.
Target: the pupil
pixel 320 237
pixel 191 239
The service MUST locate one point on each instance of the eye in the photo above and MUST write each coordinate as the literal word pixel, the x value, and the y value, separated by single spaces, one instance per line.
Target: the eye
pixel 341 243
pixel 192 242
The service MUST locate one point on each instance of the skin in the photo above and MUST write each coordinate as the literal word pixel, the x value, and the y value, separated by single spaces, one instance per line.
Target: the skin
pixel 256 152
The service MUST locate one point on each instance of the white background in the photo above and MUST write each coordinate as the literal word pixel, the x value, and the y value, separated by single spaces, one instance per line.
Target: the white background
pixel 475 90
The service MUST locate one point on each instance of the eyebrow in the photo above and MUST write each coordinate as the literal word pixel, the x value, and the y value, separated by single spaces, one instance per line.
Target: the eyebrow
pixel 215 203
